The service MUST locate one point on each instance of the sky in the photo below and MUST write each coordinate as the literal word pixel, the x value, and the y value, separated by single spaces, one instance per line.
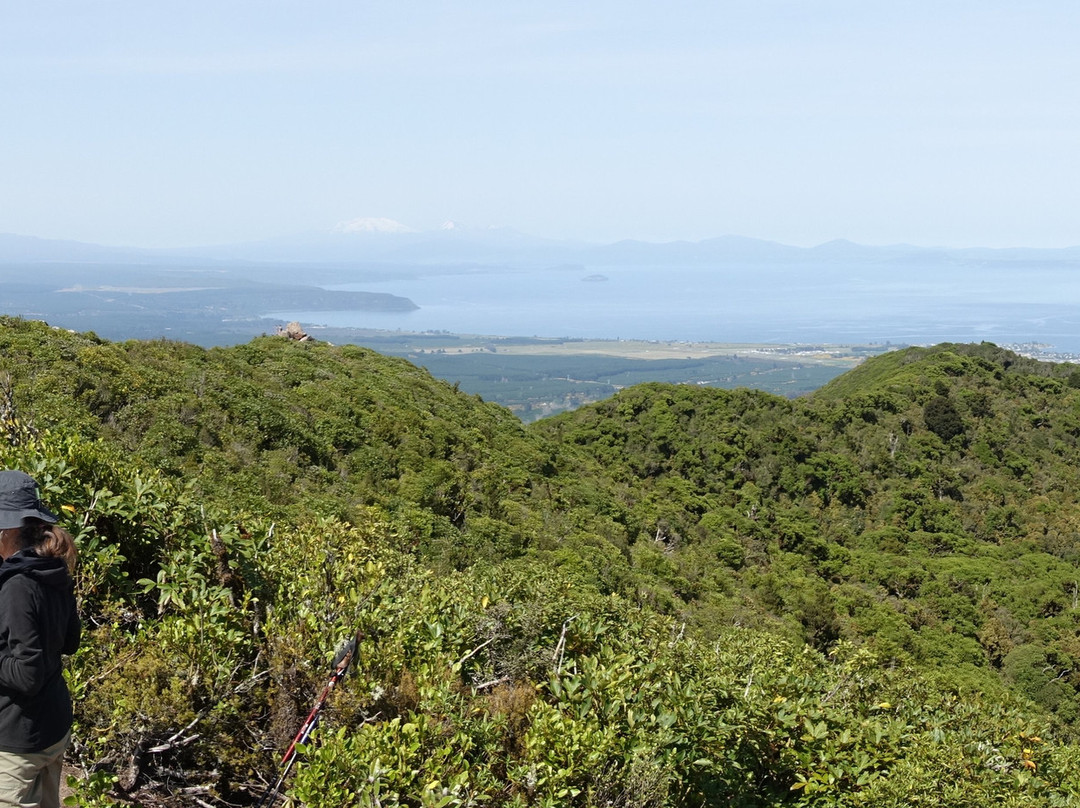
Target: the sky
pixel 165 124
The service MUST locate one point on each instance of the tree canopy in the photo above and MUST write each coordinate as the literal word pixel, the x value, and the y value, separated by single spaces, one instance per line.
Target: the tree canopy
pixel 673 597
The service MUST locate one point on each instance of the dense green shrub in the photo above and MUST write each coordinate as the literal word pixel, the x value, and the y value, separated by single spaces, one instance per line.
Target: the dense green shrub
pixel 678 596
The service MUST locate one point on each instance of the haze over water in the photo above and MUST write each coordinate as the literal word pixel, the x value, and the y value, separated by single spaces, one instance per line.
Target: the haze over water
pixel 773 303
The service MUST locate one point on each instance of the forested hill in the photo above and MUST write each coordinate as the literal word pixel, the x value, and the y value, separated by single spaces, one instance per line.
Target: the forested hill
pixel 281 427
pixel 930 512
pixel 677 596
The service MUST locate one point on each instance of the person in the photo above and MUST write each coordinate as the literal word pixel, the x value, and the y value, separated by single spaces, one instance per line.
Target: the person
pixel 38 623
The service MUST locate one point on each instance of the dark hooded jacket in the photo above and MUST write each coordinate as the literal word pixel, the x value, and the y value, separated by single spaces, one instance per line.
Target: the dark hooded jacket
pixel 38 623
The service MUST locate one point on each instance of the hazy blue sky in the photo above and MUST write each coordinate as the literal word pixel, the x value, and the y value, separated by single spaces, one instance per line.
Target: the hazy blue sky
pixel 160 123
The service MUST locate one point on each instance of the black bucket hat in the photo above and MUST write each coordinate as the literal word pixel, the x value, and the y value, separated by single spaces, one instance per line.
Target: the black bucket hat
pixel 19 500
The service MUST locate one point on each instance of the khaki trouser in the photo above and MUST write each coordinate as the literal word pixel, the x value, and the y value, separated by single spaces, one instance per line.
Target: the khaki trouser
pixel 33 778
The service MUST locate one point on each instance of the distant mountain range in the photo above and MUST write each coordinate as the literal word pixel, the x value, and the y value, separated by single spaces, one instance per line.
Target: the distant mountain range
pixel 27 249
pixel 384 241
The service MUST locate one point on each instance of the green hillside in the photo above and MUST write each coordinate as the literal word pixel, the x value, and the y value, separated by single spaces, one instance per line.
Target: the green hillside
pixel 674 597
pixel 914 367
pixel 929 515
pixel 276 427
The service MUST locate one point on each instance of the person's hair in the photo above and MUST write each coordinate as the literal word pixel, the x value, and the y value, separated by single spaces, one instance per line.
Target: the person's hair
pixel 49 541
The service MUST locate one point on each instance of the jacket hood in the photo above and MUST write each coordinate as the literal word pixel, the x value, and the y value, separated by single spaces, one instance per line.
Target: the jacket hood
pixel 49 571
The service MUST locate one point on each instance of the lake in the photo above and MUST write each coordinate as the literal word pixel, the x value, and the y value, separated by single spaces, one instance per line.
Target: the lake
pixel 831 303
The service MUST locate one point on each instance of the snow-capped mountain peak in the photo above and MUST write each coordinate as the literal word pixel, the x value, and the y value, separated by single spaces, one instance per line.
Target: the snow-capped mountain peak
pixel 373 224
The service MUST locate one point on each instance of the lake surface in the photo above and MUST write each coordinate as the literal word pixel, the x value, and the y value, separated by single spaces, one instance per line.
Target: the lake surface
pixel 777 303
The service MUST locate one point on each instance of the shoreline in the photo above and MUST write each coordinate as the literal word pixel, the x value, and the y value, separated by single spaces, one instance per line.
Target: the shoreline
pixel 447 344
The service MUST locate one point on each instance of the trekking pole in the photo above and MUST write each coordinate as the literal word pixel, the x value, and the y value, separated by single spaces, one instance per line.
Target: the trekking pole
pixel 342 661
